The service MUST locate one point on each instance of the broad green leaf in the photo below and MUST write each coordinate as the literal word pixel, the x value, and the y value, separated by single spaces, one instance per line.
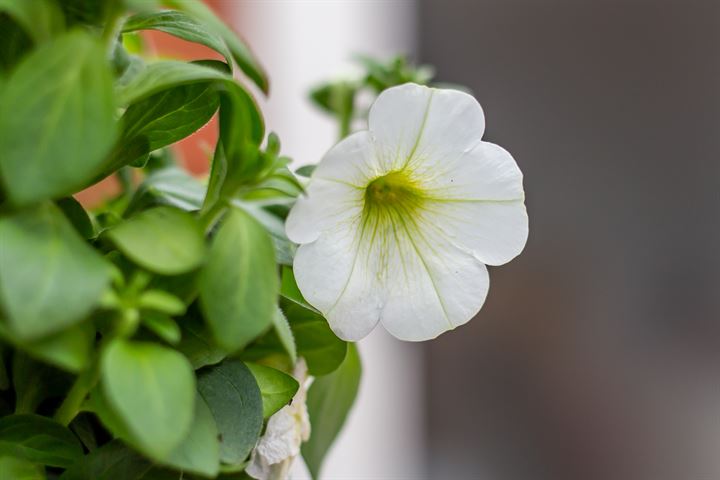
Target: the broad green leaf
pixel 163 119
pixel 13 468
pixel 233 396
pixel 180 25
pixel 41 19
pixel 62 123
pixel 315 341
pixel 239 284
pixel 197 343
pixel 4 377
pixel 39 440
pixel 240 52
pixel 152 390
pixel 112 461
pixel 277 388
pixel 159 76
pixel 162 325
pixel 44 263
pixel 169 186
pixel 329 400
pixel 78 216
pixel 199 452
pixel 164 240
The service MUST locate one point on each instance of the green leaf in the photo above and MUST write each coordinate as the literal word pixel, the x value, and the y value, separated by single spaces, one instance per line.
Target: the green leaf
pixel 240 52
pixel 44 263
pixel 179 25
pixel 198 344
pixel 284 248
pixel 112 461
pixel 329 400
pixel 163 119
pixel 290 291
pixel 199 452
pixel 62 123
pixel 169 186
pixel 315 341
pixel 163 326
pixel 152 391
pixel 285 335
pixel 39 440
pixel 164 240
pixel 239 284
pixel 14 46
pixel 233 396
pixel 163 75
pixel 35 382
pixel 41 19
pixel 277 388
pixel 70 349
pixel 78 216
pixel 18 469
pixel 161 301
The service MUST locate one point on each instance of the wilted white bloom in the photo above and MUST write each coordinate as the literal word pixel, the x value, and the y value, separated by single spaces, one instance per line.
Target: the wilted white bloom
pixel 400 220
pixel 286 430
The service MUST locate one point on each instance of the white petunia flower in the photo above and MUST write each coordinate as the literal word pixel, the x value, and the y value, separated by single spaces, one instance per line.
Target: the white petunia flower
pixel 286 430
pixel 400 220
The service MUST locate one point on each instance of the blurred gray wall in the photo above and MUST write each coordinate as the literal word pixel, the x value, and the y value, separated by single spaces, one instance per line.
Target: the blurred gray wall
pixel 597 354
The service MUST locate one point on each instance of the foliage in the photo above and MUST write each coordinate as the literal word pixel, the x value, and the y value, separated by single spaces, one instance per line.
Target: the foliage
pixel 150 336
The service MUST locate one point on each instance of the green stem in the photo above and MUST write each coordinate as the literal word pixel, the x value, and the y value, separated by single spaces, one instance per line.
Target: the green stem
pixel 112 28
pixel 210 217
pixel 76 396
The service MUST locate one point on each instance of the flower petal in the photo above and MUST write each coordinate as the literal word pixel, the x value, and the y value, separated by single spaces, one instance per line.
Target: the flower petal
pixel 411 122
pixel 432 286
pixel 332 195
pixel 480 203
pixel 336 274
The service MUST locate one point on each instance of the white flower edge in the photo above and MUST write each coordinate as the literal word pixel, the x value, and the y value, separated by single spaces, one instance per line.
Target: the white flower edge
pixel 286 430
pixel 400 220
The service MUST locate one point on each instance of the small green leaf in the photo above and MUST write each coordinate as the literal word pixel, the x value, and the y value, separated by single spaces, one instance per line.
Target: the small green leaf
pixel 163 119
pixel 240 52
pixel 277 388
pixel 329 401
pixel 290 291
pixel 39 440
pixel 199 452
pixel 162 325
pixel 161 301
pixel 179 25
pixel 239 284
pixel 13 468
pixel 233 396
pixel 169 186
pixel 285 335
pixel 112 461
pixel 164 240
pixel 41 19
pixel 44 263
pixel 151 389
pixel 34 382
pixel 315 341
pixel 62 123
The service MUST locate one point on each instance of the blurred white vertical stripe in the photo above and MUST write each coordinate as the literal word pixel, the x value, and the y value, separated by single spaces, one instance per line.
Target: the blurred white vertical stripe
pixel 302 43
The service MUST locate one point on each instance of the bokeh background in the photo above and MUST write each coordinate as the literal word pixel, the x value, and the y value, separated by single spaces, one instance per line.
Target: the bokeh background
pixel 597 353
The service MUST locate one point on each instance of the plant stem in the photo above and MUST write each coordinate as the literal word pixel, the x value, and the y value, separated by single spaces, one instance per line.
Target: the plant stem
pixel 209 218
pixel 72 404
